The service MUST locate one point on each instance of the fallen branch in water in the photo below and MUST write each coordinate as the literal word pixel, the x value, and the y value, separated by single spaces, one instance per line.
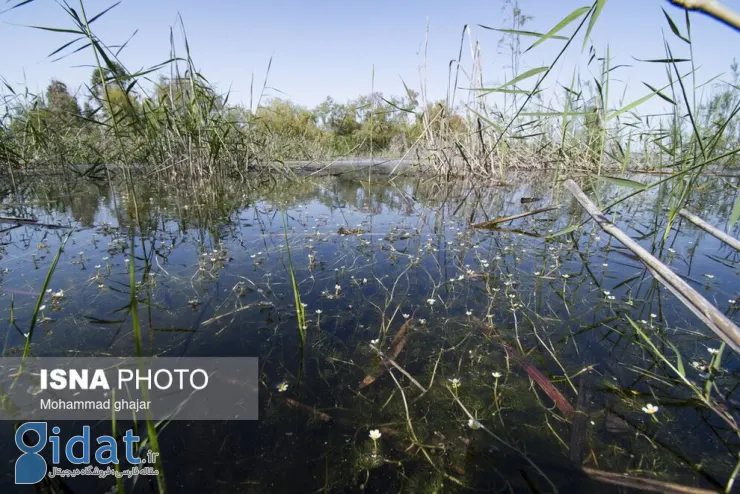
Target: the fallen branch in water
pixel 399 341
pixel 27 221
pixel 715 232
pixel 259 303
pixel 533 372
pixel 488 224
pixel 642 483
pixel 716 320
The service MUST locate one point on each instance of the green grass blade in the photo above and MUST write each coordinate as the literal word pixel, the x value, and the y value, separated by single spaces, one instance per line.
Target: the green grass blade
pixel 525 75
pixel 40 299
pixel 674 28
pixel 623 182
pixel 679 360
pixel 519 32
pixel 579 12
pixel 735 213
pixel 592 21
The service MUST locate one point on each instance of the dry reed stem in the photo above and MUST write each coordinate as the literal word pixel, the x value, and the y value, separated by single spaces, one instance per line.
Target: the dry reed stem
pixel 712 8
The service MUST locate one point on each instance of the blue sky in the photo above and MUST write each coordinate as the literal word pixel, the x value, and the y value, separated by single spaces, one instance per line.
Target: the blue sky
pixel 330 48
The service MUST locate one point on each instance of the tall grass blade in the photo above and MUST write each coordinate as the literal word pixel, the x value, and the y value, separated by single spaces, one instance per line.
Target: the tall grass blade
pixel 560 25
pixel 592 21
pixel 42 294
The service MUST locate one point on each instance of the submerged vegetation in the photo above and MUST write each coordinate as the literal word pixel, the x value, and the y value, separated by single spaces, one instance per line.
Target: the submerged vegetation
pixel 440 331
pixel 427 353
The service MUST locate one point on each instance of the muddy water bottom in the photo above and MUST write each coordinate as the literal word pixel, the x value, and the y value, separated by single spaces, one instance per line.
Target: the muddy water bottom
pixel 392 267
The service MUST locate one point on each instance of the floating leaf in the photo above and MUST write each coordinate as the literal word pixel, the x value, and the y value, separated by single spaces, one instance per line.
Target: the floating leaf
pixel 564 231
pixel 624 182
pixel 735 213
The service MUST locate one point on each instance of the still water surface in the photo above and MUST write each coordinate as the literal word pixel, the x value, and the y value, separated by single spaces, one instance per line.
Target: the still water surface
pixel 372 260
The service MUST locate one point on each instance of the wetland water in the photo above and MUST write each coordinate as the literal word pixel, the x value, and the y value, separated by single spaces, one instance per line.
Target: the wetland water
pixel 393 268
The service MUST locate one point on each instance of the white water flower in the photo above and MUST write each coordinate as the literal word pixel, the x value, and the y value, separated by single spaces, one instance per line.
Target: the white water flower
pixel 48 290
pixel 431 301
pixel 698 365
pixel 650 409
pixel 97 266
pixel 319 311
pixel 59 294
pixel 474 424
pixel 422 321
pixel 605 265
pixel 374 342
pixel 468 312
pixel 282 387
pixel 496 374
pixel 713 351
pixel 375 434
pixel 566 276
pixel 42 308
pixel 455 382
pixel 710 276
pixel 671 250
pixel 337 287
pixel 653 316
pixel 405 316
pixel 607 293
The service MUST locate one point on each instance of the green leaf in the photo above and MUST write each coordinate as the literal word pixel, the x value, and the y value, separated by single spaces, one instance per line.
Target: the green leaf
pixel 735 213
pixel 554 113
pixel 657 91
pixel 560 25
pixel 488 90
pixel 624 182
pixel 663 60
pixel 57 30
pixel 679 360
pixel 632 105
pixel 564 231
pixel 674 28
pixel 525 75
pixel 98 16
pixel 520 32
pixel 594 15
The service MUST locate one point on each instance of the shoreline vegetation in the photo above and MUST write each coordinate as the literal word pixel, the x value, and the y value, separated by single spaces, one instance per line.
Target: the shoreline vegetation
pixel 168 121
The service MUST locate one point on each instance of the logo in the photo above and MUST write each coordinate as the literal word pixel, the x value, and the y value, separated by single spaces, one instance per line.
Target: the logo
pixel 31 467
